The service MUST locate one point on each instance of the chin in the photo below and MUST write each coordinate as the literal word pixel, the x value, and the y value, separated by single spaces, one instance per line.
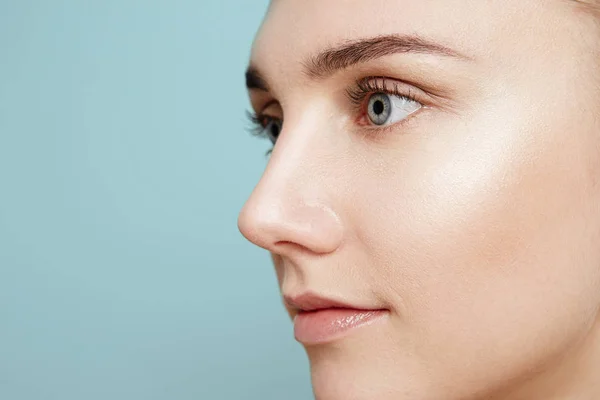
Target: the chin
pixel 344 382
pixel 376 369
pixel 361 371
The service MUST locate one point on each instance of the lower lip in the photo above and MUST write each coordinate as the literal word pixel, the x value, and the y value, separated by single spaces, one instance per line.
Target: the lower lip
pixel 322 326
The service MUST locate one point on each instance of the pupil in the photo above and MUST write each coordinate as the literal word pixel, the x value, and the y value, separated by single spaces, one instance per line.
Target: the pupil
pixel 378 107
pixel 274 130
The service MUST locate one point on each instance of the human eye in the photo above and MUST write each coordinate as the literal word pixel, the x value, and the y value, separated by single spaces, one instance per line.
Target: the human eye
pixel 383 102
pixel 265 126
pixel 267 123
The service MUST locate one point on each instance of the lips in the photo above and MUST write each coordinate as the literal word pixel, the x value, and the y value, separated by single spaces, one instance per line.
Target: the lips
pixel 313 302
pixel 321 320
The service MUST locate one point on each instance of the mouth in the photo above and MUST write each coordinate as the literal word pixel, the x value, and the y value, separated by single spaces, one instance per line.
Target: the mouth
pixel 319 320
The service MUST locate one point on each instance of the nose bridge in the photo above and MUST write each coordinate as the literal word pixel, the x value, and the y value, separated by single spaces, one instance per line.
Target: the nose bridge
pixel 293 202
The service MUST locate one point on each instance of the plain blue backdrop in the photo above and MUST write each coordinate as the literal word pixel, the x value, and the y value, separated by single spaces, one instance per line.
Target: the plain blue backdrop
pixel 124 161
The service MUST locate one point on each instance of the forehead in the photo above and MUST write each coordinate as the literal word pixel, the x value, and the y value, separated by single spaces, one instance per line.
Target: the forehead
pixel 294 29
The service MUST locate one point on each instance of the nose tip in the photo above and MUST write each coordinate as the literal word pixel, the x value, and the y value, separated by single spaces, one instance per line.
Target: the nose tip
pixel 272 223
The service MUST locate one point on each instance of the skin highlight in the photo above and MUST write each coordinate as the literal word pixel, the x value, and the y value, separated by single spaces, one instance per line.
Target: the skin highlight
pixel 474 221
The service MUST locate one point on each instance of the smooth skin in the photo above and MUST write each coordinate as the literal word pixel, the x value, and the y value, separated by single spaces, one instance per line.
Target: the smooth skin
pixel 475 221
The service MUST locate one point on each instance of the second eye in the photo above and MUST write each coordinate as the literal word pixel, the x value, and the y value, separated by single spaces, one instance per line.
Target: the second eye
pixel 386 109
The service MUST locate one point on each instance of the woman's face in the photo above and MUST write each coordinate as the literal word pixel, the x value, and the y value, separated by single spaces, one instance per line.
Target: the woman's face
pixel 438 160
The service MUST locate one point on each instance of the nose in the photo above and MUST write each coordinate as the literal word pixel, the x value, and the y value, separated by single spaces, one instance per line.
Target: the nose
pixel 292 203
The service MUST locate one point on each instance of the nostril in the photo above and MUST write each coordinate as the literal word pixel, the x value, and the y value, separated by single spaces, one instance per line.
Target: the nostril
pixel 288 244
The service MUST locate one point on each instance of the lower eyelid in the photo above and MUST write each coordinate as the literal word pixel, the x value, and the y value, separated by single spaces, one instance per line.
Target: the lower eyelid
pixel 381 130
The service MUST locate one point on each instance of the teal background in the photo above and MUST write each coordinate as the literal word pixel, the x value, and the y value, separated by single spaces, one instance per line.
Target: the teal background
pixel 124 161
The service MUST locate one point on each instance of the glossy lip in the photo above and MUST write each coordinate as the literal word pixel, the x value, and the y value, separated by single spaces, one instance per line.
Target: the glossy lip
pixel 320 320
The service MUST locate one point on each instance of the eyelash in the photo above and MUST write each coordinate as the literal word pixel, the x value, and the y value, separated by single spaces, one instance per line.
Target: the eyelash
pixel 375 84
pixel 256 121
pixel 378 84
pixel 257 129
pixel 357 96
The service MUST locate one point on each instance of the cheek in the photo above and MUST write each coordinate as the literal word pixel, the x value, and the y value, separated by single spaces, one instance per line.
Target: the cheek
pixel 490 238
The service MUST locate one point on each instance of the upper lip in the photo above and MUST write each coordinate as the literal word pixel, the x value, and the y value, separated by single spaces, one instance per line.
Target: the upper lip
pixel 309 301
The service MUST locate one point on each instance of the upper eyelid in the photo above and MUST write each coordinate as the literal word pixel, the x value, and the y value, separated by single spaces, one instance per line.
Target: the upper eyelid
pixel 373 80
pixel 361 88
pixel 382 84
pixel 429 100
pixel 264 107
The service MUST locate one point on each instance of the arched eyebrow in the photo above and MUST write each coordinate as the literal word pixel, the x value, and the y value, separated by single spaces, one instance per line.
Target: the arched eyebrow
pixel 360 51
pixel 334 59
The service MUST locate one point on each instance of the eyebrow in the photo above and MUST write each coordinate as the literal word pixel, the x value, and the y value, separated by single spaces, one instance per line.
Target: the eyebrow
pixel 335 59
pixel 360 51
pixel 254 80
